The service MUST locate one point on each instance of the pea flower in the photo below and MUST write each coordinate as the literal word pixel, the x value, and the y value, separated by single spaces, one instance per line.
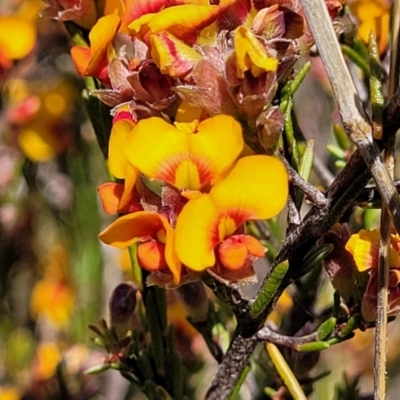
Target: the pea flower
pixel 208 230
pixel 364 247
pixel 155 236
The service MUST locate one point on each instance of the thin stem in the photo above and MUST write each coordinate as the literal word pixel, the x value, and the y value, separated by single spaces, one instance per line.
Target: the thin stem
pixel 384 247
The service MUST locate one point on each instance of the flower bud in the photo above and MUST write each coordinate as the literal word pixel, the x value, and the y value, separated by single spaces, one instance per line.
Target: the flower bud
pixel 194 299
pixel 121 307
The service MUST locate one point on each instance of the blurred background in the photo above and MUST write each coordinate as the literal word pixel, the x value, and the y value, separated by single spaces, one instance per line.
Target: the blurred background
pixel 55 276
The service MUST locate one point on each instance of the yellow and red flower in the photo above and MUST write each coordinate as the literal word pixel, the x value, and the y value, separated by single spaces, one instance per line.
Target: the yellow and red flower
pixel 188 156
pixel 255 188
pixel 156 251
pixel 364 247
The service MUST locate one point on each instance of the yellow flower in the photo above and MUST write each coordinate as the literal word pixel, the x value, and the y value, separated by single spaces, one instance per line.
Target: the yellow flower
pixel 372 15
pixel 185 155
pixel 364 247
pixel 255 188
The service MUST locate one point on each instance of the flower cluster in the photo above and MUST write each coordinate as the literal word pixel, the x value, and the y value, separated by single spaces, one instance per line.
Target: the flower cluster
pixel 207 194
pixel 192 84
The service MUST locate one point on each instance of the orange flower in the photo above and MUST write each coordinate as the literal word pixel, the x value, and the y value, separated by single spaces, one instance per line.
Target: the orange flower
pixel 255 188
pixel 155 235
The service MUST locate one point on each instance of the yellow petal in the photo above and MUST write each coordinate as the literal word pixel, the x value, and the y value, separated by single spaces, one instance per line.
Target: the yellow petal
pixel 171 55
pixel 364 247
pixel 187 155
pixel 102 34
pixel 369 9
pixel 131 176
pixel 255 188
pixel 182 21
pixel 17 37
pixel 187 113
pixel 250 54
pixel 197 233
pixel 116 154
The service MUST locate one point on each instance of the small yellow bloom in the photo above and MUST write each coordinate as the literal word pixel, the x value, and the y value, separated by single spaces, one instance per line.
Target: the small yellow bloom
pixel 364 247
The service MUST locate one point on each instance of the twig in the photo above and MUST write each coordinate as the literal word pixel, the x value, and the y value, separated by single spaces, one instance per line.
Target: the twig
pixel 313 194
pixel 384 247
pixel 353 117
pixel 322 172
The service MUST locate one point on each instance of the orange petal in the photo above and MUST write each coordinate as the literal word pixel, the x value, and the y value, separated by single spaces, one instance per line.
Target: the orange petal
pixel 17 37
pixel 134 9
pixel 188 155
pixel 232 254
pixel 101 35
pixel 171 55
pixel 130 228
pixel 110 195
pixel 151 256
pixel 254 247
pixel 250 54
pixel 255 188
pixel 197 233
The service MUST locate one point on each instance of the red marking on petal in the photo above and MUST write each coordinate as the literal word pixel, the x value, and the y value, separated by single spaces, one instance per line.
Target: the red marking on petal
pixel 168 168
